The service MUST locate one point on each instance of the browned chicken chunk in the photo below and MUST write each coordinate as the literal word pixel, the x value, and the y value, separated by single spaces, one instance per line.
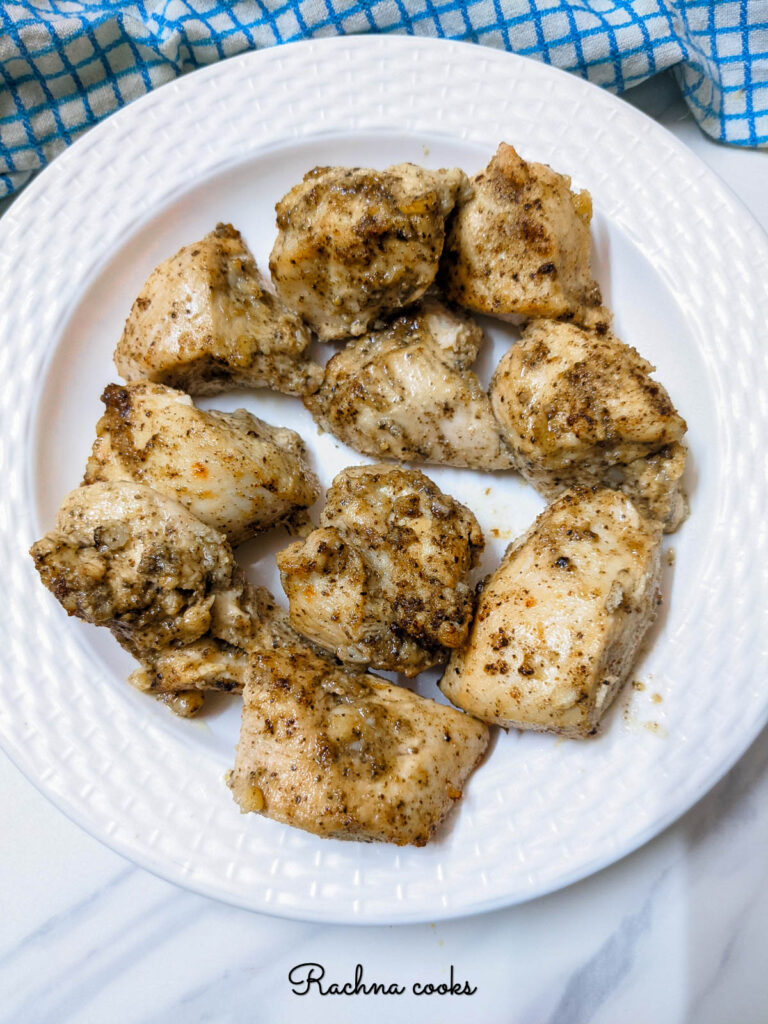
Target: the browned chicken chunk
pixel 559 623
pixel 346 755
pixel 354 244
pixel 406 392
pixel 206 320
pixel 383 582
pixel 518 245
pixel 233 471
pixel 218 661
pixel 167 586
pixel 580 407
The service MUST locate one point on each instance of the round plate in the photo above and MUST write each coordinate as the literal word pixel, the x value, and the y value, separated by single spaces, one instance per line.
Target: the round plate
pixel 683 267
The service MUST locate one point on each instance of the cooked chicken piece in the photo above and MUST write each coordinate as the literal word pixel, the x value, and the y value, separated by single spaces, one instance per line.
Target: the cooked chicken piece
pixel 383 582
pixel 185 704
pixel 655 484
pixel 406 392
pixel 518 244
pixel 219 660
pixel 354 244
pixel 167 586
pixel 206 320
pixel 123 556
pixel 559 623
pixel 580 407
pixel 236 473
pixel 346 755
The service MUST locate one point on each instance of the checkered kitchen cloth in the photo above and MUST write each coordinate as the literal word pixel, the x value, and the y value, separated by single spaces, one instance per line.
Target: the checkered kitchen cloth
pixel 66 65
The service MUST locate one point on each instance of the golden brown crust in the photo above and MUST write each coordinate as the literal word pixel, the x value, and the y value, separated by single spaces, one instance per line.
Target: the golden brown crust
pixel 406 392
pixel 346 755
pixel 205 321
pixel 233 471
pixel 166 585
pixel 383 582
pixel 518 244
pixel 580 407
pixel 355 244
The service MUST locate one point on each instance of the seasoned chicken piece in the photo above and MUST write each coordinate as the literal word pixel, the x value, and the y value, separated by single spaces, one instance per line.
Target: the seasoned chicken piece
pixel 518 244
pixel 655 484
pixel 167 586
pixel 406 392
pixel 354 244
pixel 218 660
pixel 236 473
pixel 580 407
pixel 383 582
pixel 206 320
pixel 123 556
pixel 559 623
pixel 346 755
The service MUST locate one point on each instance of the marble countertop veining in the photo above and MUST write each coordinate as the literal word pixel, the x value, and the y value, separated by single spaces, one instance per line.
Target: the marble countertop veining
pixel 677 932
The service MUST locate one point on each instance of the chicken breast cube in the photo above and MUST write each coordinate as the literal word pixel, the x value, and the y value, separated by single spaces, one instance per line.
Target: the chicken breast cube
pixel 559 623
pixel 233 471
pixel 518 244
pixel 346 755
pixel 355 244
pixel 206 320
pixel 580 407
pixel 167 586
pixel 405 392
pixel 383 582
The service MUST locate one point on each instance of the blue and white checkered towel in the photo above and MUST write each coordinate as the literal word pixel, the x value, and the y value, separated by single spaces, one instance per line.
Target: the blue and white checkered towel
pixel 66 65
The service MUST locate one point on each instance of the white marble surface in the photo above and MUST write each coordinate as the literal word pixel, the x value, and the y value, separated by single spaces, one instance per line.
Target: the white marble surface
pixel 677 932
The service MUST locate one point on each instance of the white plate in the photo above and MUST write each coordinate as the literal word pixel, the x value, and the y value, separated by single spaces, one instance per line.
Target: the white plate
pixel 683 266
